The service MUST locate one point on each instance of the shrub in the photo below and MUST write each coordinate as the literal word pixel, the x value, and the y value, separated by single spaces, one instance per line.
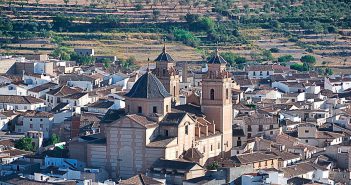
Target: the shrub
pixel 285 58
pixel 186 37
pixel 274 50
pixel 308 59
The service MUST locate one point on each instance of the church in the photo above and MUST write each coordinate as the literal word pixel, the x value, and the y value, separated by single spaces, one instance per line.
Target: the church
pixel 154 127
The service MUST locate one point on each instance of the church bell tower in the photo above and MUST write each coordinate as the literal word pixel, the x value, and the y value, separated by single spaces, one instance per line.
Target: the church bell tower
pixel 217 98
pixel 167 74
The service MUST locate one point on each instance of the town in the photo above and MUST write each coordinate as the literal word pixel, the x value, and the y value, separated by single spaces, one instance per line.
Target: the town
pixel 171 122
pixel 175 92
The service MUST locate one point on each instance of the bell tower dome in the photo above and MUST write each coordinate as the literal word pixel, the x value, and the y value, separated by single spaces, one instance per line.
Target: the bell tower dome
pixel 167 74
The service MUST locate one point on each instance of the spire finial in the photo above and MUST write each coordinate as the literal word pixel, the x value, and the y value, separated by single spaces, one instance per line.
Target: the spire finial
pixel 164 44
pixel 148 65
pixel 216 51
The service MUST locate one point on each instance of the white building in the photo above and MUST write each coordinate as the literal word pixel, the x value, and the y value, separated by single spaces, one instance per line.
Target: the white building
pixel 12 89
pixel 35 80
pixel 337 84
pixel 40 90
pixel 35 121
pixel 21 103
pixel 77 99
pixel 53 97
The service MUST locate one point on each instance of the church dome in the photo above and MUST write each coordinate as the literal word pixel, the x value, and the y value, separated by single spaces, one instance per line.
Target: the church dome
pixel 164 56
pixel 148 86
pixel 216 59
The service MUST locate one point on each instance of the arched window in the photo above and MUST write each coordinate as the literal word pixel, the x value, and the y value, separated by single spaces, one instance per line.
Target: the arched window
pixel 212 94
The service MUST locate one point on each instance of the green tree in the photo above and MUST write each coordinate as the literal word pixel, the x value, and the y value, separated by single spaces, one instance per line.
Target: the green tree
pixel 213 166
pixel 139 7
pixel 285 58
pixel 186 37
pixel 308 60
pixel 318 28
pixel 274 50
pixel 267 55
pixel 25 143
pixel 299 67
pixel 275 24
pixel 54 139
pixel 62 53
pixel 66 2
pixel 156 14
pixel 206 24
pixel 107 62
pixel 128 63
pixel 191 18
pixel 328 71
pixel 230 57
pixel 61 22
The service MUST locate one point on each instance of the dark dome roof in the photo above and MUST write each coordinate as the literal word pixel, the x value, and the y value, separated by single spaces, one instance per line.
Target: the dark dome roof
pixel 148 86
pixel 164 56
pixel 217 59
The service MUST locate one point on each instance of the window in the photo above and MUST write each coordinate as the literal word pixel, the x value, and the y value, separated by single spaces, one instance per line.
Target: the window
pixel 227 94
pixel 271 133
pixel 219 146
pixel 41 125
pixel 154 109
pixel 238 143
pixel 30 125
pixel 249 129
pixel 260 127
pixel 211 148
pixel 41 119
pixel 174 90
pixel 306 140
pixel 166 132
pixel 164 72
pixel 249 135
pixel 204 149
pixel 30 119
pixel 186 129
pixel 166 108
pixel 176 154
pixel 140 110
pixel 270 126
pixel 212 94
pixel 307 131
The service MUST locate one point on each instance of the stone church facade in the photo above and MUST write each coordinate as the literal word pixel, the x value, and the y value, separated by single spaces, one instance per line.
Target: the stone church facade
pixel 153 127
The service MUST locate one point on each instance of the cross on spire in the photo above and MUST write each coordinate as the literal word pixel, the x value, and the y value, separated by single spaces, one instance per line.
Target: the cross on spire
pixel 148 65
pixel 164 44
pixel 216 51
